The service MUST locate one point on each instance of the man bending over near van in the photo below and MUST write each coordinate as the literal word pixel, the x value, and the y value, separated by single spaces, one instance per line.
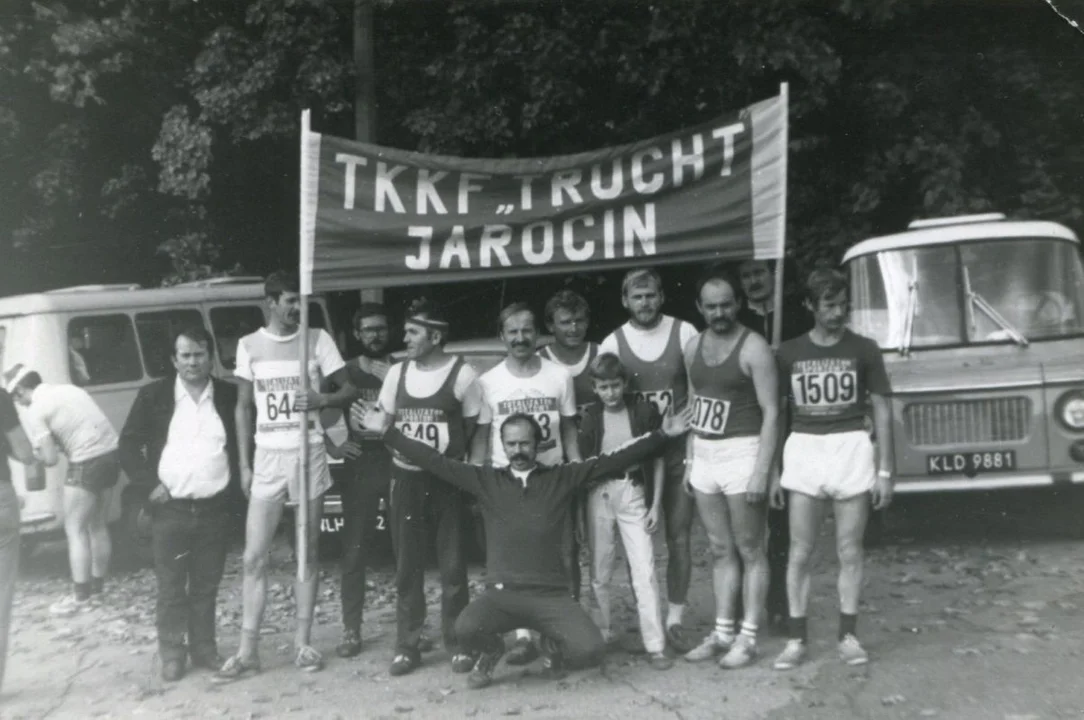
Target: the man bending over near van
pixel 65 419
pixel 268 374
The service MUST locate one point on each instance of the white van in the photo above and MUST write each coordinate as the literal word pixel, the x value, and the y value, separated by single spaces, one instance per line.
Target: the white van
pixel 112 340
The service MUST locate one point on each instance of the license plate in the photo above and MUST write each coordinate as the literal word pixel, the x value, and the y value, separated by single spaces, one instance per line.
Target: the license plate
pixel 971 464
pixel 331 524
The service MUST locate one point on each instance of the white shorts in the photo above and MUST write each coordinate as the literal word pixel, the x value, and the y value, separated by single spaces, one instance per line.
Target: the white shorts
pixel 274 474
pixel 838 466
pixel 723 466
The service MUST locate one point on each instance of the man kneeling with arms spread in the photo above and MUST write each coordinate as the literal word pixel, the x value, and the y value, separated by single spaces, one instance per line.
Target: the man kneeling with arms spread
pixel 525 507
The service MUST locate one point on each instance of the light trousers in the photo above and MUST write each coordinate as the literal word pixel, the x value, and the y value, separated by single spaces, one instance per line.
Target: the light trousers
pixel 617 507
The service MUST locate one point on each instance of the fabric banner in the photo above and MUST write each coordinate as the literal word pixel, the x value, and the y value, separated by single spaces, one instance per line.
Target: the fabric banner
pixel 383 217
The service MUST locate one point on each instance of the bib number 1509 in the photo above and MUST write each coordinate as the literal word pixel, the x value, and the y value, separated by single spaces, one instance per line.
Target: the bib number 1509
pixel 825 389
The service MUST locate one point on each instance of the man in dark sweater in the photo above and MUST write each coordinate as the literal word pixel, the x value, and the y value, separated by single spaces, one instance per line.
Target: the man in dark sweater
pixel 525 507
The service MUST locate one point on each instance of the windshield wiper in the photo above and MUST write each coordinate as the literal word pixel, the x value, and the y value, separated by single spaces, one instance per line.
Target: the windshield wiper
pixel 909 318
pixel 974 300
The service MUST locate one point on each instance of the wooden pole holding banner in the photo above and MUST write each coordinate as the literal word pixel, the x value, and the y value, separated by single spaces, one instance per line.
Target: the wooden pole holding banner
pixel 302 519
pixel 779 275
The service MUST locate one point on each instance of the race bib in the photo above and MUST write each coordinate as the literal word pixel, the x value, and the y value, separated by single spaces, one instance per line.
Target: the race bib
pixel 824 392
pixel 433 434
pixel 276 405
pixel 710 415
pixel 663 400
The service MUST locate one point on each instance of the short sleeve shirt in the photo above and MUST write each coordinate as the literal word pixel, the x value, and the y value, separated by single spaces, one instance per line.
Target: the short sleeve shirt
pixel 9 420
pixel 828 387
pixel 547 396
pixel 272 363
pixel 71 416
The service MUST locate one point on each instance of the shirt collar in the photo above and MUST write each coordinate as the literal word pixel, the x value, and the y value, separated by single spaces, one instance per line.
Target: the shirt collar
pixel 180 392
pixel 761 308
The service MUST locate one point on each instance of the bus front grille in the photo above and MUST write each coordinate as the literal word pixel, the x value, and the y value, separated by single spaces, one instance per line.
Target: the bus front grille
pixel 968 422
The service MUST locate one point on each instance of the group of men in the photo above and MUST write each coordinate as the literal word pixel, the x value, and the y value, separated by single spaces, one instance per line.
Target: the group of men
pixel 574 441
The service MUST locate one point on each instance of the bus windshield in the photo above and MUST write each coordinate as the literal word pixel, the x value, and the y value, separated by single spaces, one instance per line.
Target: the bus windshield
pixel 986 291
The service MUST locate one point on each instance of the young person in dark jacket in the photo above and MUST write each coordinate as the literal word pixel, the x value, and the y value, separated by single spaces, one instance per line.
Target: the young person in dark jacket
pixel 525 507
pixel 179 449
pixel 619 503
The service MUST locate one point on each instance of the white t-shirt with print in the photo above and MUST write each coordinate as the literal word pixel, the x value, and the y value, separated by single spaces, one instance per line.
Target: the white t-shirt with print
pixel 272 364
pixel 547 396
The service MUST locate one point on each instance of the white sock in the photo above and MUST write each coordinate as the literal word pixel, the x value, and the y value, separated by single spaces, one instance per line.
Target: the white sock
pixel 749 631
pixel 724 629
pixel 674 613
pixel 523 634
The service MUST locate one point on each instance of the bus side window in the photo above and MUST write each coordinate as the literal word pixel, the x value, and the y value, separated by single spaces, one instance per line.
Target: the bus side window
pixel 156 331
pixel 102 350
pixel 231 323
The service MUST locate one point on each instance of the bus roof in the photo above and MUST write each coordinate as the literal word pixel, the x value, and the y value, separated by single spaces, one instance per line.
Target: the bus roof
pixel 950 233
pixel 109 297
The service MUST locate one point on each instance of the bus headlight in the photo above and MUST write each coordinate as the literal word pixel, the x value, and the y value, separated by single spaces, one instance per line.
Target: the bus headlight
pixel 1070 410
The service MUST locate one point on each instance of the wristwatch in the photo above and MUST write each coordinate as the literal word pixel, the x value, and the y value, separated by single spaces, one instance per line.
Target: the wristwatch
pixel 884 474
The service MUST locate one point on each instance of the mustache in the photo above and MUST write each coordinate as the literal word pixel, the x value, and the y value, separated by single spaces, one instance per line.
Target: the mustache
pixel 520 456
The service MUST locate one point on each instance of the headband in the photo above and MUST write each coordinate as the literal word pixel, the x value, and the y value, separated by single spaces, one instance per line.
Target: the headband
pixel 17 374
pixel 428 323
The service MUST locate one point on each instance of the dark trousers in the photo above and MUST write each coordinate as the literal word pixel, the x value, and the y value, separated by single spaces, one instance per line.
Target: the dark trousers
pixel 419 501
pixel 549 611
pixel 368 481
pixel 189 542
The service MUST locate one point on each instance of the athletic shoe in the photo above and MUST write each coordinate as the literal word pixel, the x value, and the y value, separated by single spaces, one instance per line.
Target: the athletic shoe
pixel 742 653
pixel 851 651
pixel 523 652
pixel 309 659
pixel 482 674
pixel 350 645
pixel 708 648
pixel 462 663
pixel 404 663
pixel 678 639
pixel 660 661
pixel 206 661
pixel 68 606
pixel 235 668
pixel 792 656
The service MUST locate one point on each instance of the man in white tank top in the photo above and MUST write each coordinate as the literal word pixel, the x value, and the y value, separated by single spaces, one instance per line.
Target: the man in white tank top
pixel 268 379
pixel 525 383
pixel 650 347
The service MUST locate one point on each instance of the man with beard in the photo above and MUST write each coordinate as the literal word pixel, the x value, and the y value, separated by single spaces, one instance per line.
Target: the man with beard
pixel 434 399
pixel 368 475
pixel 758 313
pixel 830 378
pixel 525 382
pixel 732 389
pixel 268 377
pixel 650 346
pixel 525 505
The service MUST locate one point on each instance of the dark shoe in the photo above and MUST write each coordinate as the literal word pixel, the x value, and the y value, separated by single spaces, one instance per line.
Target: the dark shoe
pixel 350 645
pixel 426 644
pixel 482 674
pixel 523 652
pixel 553 662
pixel 660 661
pixel 403 664
pixel 172 670
pixel 462 663
pixel 679 640
pixel 206 661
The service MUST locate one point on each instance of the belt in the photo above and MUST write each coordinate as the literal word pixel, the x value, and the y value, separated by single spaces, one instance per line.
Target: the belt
pixel 198 503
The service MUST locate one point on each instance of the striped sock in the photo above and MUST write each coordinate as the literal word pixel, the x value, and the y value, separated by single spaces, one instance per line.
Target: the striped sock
pixel 724 629
pixel 749 631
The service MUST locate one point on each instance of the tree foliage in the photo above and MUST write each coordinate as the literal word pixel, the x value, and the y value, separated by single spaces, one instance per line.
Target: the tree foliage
pixel 165 131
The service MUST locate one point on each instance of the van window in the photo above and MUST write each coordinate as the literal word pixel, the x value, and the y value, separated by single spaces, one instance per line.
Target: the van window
pixel 102 350
pixel 316 316
pixel 156 331
pixel 229 325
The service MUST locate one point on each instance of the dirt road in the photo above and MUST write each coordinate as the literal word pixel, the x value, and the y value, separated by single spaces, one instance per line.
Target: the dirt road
pixel 974 609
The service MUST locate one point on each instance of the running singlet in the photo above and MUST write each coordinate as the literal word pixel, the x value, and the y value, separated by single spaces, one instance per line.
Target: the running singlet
pixel 724 397
pixel 581 379
pixel 271 363
pixel 828 387
pixel 660 381
pixel 547 397
pixel 436 420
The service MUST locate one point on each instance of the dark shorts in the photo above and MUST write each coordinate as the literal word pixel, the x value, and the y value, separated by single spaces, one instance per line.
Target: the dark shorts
pixel 95 474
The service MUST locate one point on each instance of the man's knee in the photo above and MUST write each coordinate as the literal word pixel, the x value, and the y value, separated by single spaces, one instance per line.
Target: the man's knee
pixel 586 650
pixel 800 553
pixel 255 562
pixel 850 553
